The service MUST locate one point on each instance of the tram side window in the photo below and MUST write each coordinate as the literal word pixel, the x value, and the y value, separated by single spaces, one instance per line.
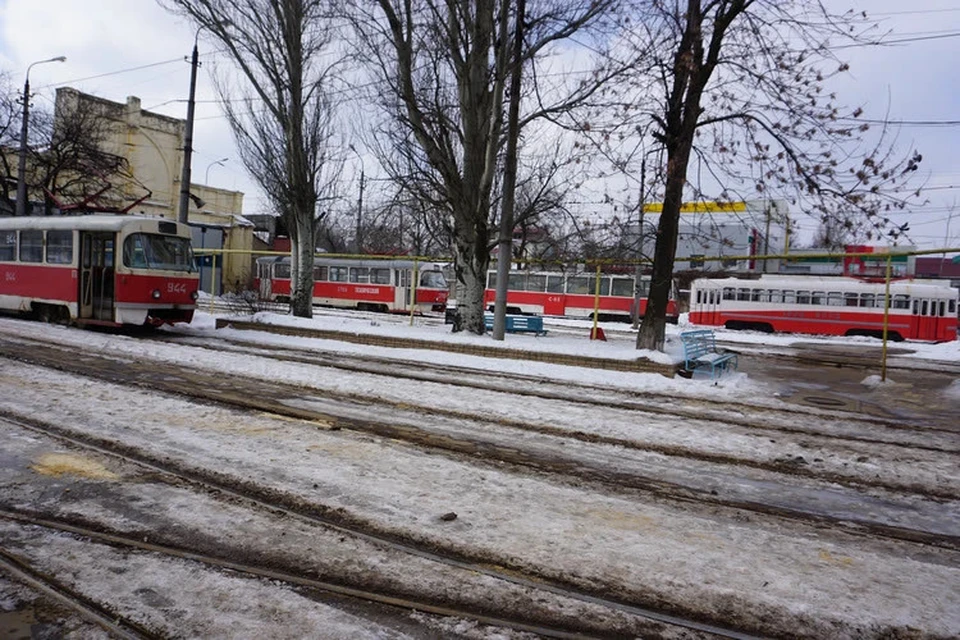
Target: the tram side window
pixel 867 299
pixel 536 282
pixel 580 285
pixel 789 297
pixel 516 281
pixel 604 285
pixel 554 284
pixel 31 245
pixel 360 274
pixel 645 288
pixel 622 287
pixel 320 273
pixel 432 279
pixel 759 295
pixel 8 246
pixel 491 280
pixel 900 301
pixel 281 270
pixel 818 297
pixel 339 274
pixel 803 297
pixel 380 275
pixel 729 293
pixel 743 295
pixel 60 246
pixel 952 307
pixel 851 299
pixel 943 309
pixel 776 296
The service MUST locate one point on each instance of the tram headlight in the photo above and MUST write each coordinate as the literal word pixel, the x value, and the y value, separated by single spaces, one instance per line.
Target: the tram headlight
pixel 194 295
pixel 156 294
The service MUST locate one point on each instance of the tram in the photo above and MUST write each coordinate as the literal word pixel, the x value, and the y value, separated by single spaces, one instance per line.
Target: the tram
pixel 98 269
pixel 574 295
pixel 360 283
pixel 828 305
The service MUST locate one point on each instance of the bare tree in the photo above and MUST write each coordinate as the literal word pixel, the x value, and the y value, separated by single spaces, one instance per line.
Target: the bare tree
pixel 743 87
pixel 72 163
pixel 444 68
pixel 9 142
pixel 67 155
pixel 283 117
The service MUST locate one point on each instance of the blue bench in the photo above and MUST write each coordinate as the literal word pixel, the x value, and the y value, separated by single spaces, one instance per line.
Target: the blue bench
pixel 700 353
pixel 518 324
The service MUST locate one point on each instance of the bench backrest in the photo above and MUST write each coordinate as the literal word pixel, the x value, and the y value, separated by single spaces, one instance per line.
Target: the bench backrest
pixel 698 343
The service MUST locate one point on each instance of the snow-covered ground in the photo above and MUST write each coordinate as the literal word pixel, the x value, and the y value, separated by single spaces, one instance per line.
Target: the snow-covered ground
pixel 818 576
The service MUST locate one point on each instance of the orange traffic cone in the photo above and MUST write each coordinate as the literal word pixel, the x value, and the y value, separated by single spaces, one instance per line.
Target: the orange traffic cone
pixel 597 334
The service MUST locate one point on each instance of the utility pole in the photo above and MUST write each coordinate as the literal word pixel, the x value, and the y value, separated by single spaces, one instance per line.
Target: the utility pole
pixel 505 251
pixel 359 233
pixel 24 125
pixel 184 208
pixel 638 275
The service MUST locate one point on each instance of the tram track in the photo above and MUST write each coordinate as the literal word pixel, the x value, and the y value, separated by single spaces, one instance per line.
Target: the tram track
pixel 128 630
pixel 761 416
pixel 525 617
pixel 116 625
pixel 239 394
pixel 264 395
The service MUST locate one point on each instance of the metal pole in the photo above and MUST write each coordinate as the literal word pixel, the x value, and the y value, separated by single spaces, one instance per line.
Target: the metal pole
pixel 21 209
pixel 638 276
pixel 360 211
pixel 596 304
pixel 206 175
pixel 886 319
pixel 358 238
pixel 413 288
pixel 183 210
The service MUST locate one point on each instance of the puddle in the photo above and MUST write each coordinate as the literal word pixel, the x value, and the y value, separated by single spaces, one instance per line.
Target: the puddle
pixel 59 464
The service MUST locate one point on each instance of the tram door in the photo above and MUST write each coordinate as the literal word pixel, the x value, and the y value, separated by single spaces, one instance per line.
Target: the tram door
pixel 925 315
pixel 97 275
pixel 707 301
pixel 401 295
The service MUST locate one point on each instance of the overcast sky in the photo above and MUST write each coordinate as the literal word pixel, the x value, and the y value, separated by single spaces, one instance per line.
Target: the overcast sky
pixel 119 48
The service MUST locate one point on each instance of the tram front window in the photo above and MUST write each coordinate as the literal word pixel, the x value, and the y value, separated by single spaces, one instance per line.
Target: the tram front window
pixel 150 251
pixel 432 280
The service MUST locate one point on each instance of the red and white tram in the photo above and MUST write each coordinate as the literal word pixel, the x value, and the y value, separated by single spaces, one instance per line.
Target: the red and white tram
pixel 101 269
pixel 828 305
pixel 574 295
pixel 366 284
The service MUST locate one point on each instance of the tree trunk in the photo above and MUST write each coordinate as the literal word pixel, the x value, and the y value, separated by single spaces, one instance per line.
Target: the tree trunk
pixel 473 258
pixel 301 267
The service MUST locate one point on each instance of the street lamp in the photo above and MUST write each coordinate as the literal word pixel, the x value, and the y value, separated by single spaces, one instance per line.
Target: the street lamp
pixel 206 175
pixel 22 167
pixel 360 199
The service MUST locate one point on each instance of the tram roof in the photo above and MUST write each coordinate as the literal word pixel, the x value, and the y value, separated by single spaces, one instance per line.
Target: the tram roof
pixel 91 222
pixel 820 283
pixel 371 262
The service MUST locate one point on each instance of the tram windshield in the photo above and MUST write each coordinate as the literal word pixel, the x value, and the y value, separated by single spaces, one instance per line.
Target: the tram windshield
pixel 151 251
pixel 432 280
